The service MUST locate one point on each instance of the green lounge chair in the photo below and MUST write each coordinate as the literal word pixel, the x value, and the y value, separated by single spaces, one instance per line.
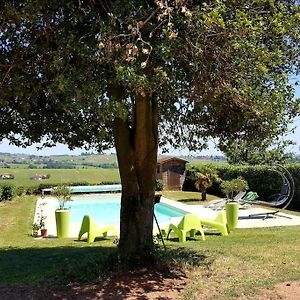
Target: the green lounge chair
pixel 219 223
pixel 189 223
pixel 90 227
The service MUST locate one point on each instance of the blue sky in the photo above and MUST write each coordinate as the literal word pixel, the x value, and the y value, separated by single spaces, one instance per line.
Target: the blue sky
pixel 63 149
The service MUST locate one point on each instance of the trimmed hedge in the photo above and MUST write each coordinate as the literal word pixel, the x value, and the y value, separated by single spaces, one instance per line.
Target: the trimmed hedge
pixel 260 179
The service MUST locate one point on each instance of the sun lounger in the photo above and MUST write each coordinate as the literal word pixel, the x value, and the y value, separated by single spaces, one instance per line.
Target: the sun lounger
pixel 219 223
pixel 90 227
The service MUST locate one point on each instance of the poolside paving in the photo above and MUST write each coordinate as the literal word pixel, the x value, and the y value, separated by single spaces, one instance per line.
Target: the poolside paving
pixel 49 204
pixel 245 221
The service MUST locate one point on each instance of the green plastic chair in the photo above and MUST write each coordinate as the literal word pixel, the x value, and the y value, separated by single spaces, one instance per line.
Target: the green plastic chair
pixel 189 223
pixel 90 227
pixel 219 223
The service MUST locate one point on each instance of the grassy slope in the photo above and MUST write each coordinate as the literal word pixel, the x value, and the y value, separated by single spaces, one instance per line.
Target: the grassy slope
pixel 229 266
pixel 93 176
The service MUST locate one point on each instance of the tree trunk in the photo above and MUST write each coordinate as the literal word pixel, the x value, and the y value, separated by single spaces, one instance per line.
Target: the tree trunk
pixel 136 147
pixel 203 195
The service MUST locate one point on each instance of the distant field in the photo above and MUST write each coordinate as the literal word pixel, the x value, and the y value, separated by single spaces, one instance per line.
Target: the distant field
pixel 92 176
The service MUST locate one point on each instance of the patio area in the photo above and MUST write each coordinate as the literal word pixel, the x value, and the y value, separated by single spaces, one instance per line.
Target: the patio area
pixel 280 219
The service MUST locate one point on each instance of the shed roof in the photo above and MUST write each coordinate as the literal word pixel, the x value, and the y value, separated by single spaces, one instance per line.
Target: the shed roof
pixel 163 160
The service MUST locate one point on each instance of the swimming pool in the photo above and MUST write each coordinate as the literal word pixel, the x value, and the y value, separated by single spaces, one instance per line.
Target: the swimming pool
pixel 105 209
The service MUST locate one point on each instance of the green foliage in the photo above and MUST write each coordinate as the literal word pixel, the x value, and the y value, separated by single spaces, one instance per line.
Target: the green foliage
pixel 233 186
pixel 62 192
pixel 7 191
pixel 222 66
pixel 20 190
pixel 200 176
pixel 159 185
pixel 59 165
pixel 257 152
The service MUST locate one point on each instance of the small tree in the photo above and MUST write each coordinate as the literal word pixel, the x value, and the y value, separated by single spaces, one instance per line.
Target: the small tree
pixel 232 187
pixel 204 181
pixel 62 192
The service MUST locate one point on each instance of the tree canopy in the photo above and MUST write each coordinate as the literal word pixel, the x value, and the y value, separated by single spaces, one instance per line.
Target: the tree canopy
pixel 217 68
pixel 142 74
pixel 266 152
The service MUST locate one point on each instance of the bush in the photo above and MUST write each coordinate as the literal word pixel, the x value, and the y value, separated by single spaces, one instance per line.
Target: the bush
pixel 20 190
pixel 7 191
pixel 159 185
pixel 32 190
pixel 233 186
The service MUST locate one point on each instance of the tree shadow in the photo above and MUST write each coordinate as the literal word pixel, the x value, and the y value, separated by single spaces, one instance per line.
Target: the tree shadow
pixel 190 200
pixel 90 273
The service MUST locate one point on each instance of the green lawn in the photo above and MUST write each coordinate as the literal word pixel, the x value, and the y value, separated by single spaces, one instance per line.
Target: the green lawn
pixel 223 267
pixel 187 197
pixel 93 176
pixel 25 260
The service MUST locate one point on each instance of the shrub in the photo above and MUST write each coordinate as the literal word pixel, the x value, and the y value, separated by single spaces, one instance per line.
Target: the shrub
pixel 233 186
pixel 32 190
pixel 20 190
pixel 7 191
pixel 63 194
pixel 159 185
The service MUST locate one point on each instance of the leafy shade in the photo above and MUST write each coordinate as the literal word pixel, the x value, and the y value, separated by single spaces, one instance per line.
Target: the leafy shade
pixel 216 69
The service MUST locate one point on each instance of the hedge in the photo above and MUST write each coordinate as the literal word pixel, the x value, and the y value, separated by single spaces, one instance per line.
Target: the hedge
pixel 8 191
pixel 260 179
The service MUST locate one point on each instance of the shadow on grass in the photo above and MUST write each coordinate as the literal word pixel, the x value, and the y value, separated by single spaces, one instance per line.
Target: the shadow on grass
pixel 190 200
pixel 90 272
pixel 61 264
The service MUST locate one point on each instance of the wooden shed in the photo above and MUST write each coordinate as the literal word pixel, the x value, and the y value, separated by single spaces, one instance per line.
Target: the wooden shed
pixel 171 170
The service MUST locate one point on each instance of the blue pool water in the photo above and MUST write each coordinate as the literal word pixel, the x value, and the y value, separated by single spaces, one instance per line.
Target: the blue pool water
pixel 105 209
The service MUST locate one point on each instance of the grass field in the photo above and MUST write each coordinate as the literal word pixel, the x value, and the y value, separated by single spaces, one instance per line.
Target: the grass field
pixel 222 267
pixel 93 176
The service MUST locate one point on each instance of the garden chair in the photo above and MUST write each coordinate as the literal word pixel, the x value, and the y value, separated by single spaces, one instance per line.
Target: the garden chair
pixel 90 227
pixel 190 223
pixel 219 223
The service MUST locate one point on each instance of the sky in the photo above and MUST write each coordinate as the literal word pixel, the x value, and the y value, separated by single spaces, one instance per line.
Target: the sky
pixel 60 149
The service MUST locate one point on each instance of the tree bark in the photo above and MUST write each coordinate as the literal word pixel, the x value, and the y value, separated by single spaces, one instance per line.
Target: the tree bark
pixel 136 147
pixel 203 195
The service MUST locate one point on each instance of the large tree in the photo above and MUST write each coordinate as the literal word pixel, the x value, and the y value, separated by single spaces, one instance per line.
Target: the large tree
pixel 263 152
pixel 143 74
